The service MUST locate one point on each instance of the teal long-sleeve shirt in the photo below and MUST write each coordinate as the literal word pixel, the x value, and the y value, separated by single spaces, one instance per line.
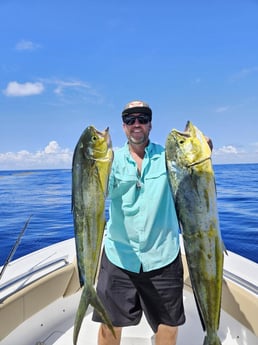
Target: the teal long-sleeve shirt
pixel 142 228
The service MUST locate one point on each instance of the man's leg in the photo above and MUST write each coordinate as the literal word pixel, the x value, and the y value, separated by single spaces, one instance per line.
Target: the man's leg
pixel 106 337
pixel 166 335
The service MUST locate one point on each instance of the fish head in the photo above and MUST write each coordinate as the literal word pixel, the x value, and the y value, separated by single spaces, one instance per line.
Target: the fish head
pixel 96 144
pixel 188 148
pixel 92 160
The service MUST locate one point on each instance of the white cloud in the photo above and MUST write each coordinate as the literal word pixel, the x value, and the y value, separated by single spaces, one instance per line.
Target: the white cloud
pixel 245 72
pixel 51 156
pixel 15 89
pixel 27 45
pixel 226 149
pixel 62 85
pixel 230 154
pixel 68 91
pixel 222 109
pixel 52 147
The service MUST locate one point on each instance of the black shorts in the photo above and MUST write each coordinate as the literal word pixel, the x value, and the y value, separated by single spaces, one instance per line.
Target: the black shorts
pixel 125 295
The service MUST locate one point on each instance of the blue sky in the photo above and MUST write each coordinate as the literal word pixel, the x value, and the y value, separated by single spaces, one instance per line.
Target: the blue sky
pixel 66 64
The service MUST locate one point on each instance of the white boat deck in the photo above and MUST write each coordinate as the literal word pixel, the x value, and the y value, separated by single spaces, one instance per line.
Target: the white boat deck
pixel 53 325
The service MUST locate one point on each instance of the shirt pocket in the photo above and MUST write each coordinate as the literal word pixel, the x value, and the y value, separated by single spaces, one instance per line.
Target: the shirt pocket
pixel 156 184
pixel 122 184
pixel 158 169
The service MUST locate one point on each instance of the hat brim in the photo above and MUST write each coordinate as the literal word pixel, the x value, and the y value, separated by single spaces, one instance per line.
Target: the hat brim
pixel 136 110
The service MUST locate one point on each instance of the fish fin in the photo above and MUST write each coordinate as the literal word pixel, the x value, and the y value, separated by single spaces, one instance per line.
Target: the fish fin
pixel 98 174
pixel 89 296
pixel 199 312
pixel 79 263
pixel 103 182
pixel 81 311
pixel 81 277
pixel 196 301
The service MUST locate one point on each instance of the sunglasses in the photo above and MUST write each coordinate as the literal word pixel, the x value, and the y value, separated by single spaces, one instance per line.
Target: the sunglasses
pixel 130 120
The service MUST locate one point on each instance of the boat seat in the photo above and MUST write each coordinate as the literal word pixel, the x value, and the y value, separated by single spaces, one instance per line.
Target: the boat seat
pixel 27 300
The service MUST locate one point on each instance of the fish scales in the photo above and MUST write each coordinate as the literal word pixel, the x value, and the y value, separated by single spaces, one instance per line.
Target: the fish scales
pixel 193 187
pixel 92 161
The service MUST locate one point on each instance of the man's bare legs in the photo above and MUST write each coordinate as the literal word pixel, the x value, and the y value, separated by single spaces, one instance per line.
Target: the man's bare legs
pixel 166 335
pixel 106 337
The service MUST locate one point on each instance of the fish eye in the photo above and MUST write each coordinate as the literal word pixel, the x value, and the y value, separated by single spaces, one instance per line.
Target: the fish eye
pixel 94 138
pixel 181 141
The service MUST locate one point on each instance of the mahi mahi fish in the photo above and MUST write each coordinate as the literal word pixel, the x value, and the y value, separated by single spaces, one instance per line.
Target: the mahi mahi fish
pixel 188 159
pixel 92 161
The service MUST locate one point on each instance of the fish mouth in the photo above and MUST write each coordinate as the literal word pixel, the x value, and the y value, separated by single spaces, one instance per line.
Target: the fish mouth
pixel 184 134
pixel 102 133
pixel 187 131
pixel 105 135
pixel 187 126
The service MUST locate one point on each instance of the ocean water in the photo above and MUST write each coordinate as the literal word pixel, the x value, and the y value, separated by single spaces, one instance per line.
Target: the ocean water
pixel 45 195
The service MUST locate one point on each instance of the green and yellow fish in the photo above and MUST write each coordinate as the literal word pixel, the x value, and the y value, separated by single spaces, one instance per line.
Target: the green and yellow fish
pixel 188 158
pixel 92 161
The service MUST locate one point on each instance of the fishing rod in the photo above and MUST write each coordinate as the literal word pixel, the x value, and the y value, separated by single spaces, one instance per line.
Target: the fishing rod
pixel 14 248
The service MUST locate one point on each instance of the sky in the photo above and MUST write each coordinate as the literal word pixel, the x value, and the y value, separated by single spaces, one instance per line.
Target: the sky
pixel 65 65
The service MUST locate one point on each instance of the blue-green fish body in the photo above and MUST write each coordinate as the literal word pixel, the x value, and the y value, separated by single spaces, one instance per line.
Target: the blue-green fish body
pixel 191 175
pixel 92 161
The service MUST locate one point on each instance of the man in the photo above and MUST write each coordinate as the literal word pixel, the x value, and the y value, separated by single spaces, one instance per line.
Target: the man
pixel 141 268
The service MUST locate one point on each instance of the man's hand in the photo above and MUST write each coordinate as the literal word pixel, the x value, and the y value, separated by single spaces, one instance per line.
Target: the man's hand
pixel 209 142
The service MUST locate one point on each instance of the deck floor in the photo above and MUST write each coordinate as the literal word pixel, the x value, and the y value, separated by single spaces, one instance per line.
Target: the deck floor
pixel 58 329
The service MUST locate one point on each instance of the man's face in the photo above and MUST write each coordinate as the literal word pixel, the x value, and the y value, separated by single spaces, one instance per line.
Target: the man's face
pixel 137 128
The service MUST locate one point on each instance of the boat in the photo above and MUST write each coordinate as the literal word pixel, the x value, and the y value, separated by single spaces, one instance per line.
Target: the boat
pixel 40 292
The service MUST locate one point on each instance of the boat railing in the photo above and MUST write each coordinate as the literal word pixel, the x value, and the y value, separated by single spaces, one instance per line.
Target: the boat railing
pixel 27 289
pixel 18 282
pixel 241 281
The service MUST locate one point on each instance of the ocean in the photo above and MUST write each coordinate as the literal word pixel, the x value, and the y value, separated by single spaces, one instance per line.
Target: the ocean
pixel 45 195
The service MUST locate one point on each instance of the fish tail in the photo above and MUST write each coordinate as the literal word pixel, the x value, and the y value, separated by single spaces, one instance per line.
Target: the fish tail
pixel 212 339
pixel 89 296
pixel 97 304
pixel 81 311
